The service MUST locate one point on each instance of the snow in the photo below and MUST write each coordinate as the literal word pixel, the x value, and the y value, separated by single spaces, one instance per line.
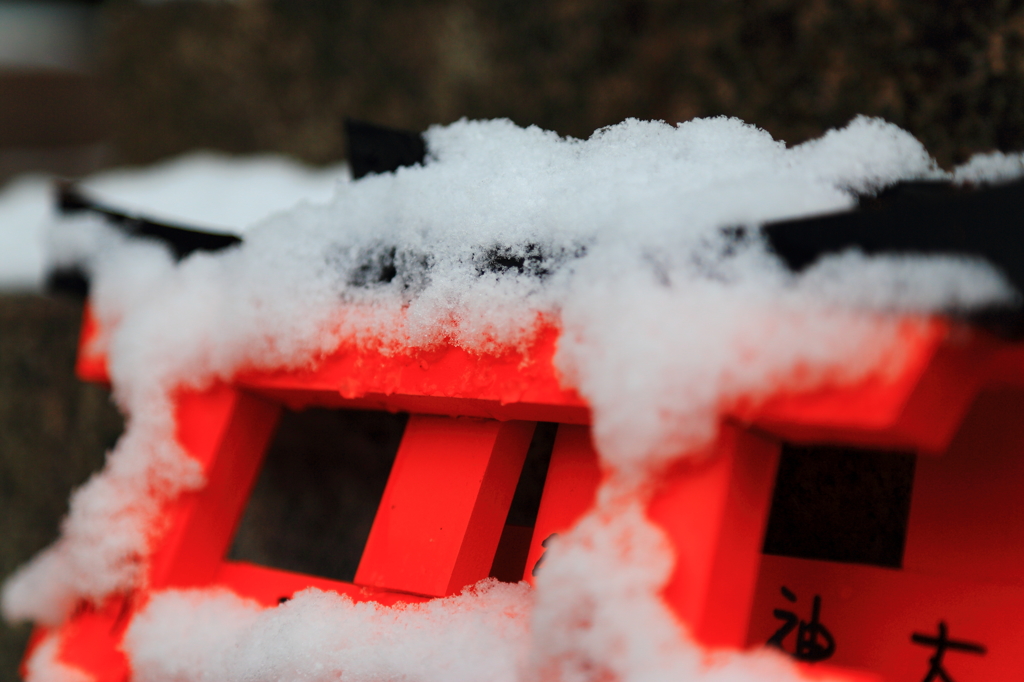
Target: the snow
pixel 215 192
pixel 206 190
pixel 216 636
pixel 25 210
pixel 666 318
pixel 991 168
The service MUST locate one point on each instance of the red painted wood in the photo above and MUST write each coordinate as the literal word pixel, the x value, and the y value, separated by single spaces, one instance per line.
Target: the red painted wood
pixel 90 640
pixel 455 381
pixel 872 612
pixel 509 378
pixel 444 507
pixel 888 409
pixel 91 364
pixel 569 489
pixel 714 511
pixel 831 673
pixel 967 508
pixel 916 407
pixel 446 502
pixel 268 585
pixel 301 398
pixel 227 431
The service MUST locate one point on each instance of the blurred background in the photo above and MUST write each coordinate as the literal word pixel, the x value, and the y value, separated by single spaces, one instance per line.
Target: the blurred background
pixel 87 86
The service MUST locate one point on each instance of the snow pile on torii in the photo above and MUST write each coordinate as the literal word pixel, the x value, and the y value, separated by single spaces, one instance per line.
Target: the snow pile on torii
pixel 201 189
pixel 665 320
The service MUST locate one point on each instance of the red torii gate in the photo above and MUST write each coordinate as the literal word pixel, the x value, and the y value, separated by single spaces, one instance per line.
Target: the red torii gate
pixel 443 512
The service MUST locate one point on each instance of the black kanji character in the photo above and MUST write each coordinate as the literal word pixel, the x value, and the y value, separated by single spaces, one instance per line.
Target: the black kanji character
pixel 941 644
pixel 808 646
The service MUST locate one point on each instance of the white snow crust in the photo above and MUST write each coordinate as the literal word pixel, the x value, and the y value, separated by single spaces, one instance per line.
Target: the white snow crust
pixel 666 321
pixel 478 635
pixel 215 192
pixel 25 208
pixel 206 190
pixel 991 168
